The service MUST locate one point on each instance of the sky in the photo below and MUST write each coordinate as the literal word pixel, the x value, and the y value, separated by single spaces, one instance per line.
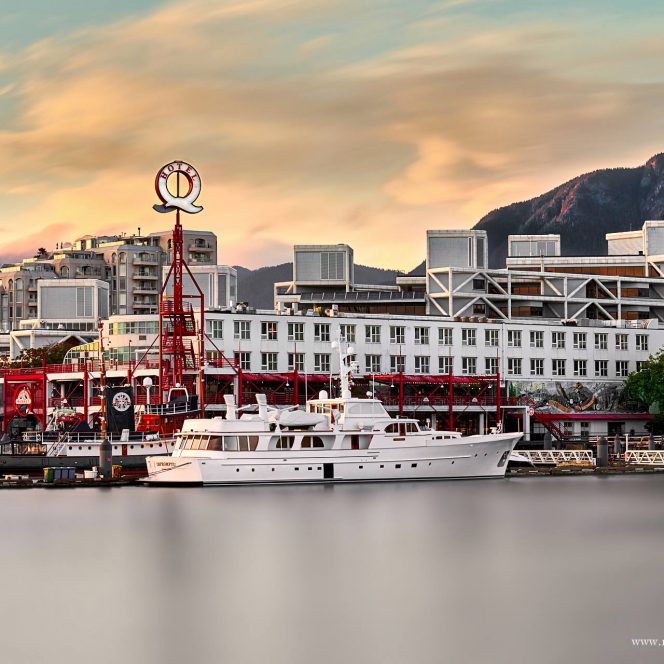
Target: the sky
pixel 315 121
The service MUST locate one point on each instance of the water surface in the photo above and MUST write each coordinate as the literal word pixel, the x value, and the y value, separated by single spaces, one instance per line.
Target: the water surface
pixel 518 570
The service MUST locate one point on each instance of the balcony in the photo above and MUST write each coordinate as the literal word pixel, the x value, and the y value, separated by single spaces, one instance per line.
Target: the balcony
pixel 145 290
pixel 144 275
pixel 145 261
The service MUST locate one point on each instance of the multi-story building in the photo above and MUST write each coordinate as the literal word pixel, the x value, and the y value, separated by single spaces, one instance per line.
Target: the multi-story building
pixel 132 265
pixel 324 279
pixel 429 367
pixel 18 290
pixel 66 309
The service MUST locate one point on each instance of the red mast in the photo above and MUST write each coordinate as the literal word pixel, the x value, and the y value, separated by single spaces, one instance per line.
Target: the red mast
pixel 181 329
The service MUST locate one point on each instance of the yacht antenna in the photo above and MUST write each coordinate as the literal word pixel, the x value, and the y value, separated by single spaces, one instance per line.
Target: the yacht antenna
pixel 346 365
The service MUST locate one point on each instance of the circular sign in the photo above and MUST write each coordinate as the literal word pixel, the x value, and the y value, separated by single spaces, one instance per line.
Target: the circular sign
pixel 531 411
pixel 121 401
pixel 193 187
pixel 23 400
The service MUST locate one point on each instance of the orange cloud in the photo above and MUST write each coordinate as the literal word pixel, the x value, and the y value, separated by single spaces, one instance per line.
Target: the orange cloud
pixel 296 139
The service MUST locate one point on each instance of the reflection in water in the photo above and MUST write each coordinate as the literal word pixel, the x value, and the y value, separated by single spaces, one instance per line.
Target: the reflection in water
pixel 483 571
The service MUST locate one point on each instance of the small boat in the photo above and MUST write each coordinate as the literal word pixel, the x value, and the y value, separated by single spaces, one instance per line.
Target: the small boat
pixel 342 439
pixel 68 441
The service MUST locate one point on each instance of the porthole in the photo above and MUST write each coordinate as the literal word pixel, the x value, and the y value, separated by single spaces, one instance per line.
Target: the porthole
pixel 131 447
pixel 361 467
pixel 89 447
pixel 309 468
pixel 475 453
pixel 452 462
pixel 382 465
pixel 485 453
pixel 273 470
pixel 429 462
pixel 413 465
pixel 237 470
pixel 253 470
pixel 70 447
pixel 319 468
pixel 79 447
pixel 296 468
pixel 397 465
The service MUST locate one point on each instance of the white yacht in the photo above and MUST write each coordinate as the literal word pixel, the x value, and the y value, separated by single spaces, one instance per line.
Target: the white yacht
pixel 336 440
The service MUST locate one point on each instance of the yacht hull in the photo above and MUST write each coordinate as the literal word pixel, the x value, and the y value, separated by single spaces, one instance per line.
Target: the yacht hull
pixel 471 457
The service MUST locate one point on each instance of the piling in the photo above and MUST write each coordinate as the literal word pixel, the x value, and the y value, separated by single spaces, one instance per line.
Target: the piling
pixel 602 453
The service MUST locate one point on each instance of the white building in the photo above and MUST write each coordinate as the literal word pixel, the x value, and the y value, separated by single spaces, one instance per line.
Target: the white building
pixel 66 309
pixel 218 283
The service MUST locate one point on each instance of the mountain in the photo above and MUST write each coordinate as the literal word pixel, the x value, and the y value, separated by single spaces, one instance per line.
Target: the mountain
pixel 257 286
pixel 582 210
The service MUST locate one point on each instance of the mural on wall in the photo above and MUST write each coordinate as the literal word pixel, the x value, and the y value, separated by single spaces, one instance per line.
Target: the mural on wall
pixel 576 397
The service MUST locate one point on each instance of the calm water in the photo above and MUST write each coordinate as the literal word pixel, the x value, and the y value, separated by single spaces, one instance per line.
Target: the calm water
pixel 521 570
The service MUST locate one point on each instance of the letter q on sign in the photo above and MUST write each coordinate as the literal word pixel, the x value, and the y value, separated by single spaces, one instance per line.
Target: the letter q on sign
pixel 193 188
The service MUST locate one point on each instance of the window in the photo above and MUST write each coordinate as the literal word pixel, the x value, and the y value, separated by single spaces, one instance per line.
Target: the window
pixel 445 364
pixel 621 342
pixel 558 367
pixel 490 337
pixel 580 368
pixel 601 341
pixel 536 339
pixel 269 330
pixel 536 367
pixel 295 331
pixel 397 363
pixel 491 365
pixel 445 336
pixel 268 361
pixel 601 368
pixel 372 334
pixel 514 366
pixel 579 340
pixel 421 364
pixel 83 302
pixel 468 336
pixel 622 368
pixel 641 342
pixel 469 365
pixel 397 334
pixel 422 336
pixel 284 442
pixel 295 361
pixel 372 363
pixel 479 284
pixel 514 338
pixel 321 332
pixel 640 364
pixel 348 333
pixel 558 339
pixel 243 360
pixel 217 329
pixel 332 266
pixel 322 362
pixel 242 329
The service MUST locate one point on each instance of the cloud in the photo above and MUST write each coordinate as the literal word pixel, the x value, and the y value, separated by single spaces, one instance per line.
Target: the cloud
pixel 306 125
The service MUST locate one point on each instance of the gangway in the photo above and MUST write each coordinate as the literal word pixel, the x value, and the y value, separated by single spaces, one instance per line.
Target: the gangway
pixel 557 457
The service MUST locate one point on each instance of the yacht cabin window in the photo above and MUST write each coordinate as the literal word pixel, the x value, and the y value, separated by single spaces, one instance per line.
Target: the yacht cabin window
pixel 402 428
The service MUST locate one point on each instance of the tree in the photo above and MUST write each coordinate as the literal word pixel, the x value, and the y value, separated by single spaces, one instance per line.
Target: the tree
pixel 41 253
pixel 36 357
pixel 647 385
